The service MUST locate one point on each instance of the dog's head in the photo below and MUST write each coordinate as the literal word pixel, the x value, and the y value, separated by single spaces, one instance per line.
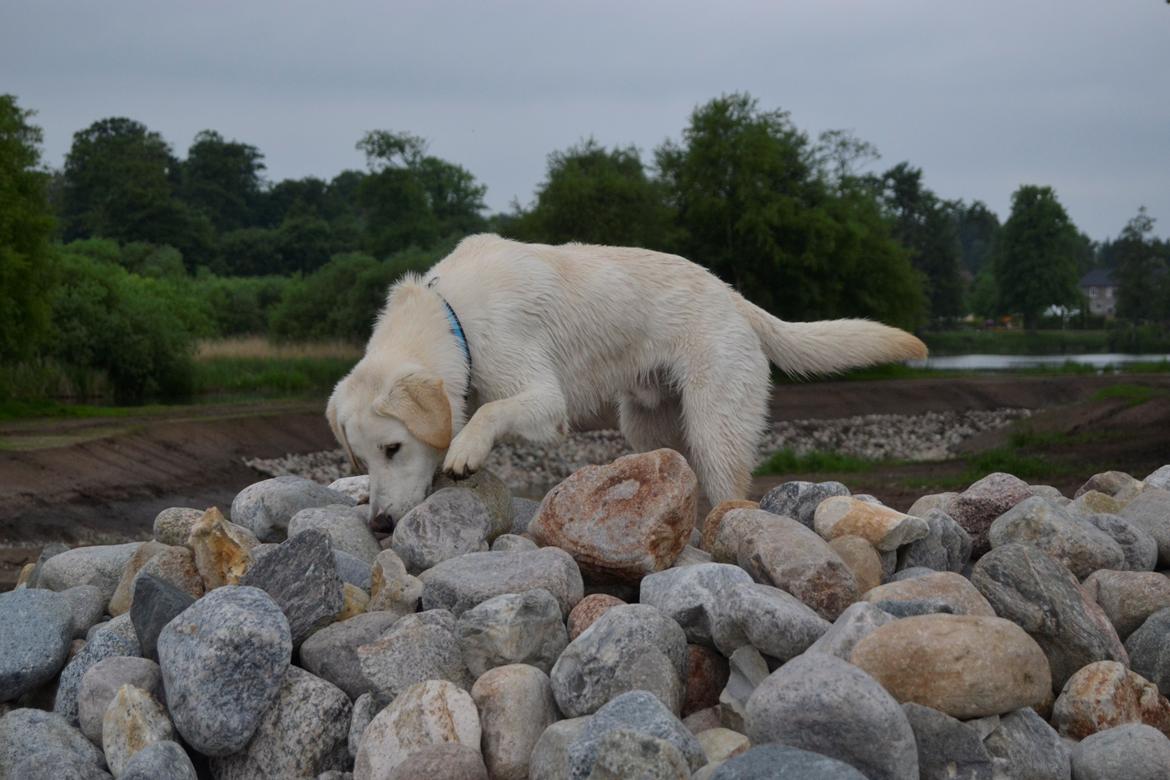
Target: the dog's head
pixel 397 430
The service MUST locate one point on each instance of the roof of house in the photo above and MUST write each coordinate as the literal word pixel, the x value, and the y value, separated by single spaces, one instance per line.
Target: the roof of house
pixel 1098 277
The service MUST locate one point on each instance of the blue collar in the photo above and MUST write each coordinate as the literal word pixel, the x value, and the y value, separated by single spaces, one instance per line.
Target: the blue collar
pixel 457 332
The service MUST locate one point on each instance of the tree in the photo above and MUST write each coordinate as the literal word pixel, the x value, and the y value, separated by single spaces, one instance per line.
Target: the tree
pixel 977 227
pixel 1143 272
pixel 26 224
pixel 222 180
pixel 1036 256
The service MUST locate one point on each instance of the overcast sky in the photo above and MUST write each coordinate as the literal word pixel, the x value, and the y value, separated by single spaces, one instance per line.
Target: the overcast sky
pixel 983 95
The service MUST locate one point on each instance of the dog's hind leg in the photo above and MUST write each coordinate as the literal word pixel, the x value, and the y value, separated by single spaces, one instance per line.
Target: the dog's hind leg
pixel 651 428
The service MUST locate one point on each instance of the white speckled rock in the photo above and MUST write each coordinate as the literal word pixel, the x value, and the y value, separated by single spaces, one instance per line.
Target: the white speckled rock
pixel 100 565
pixel 36 627
pixel 266 507
pixel 414 649
pixel 346 526
pixel 100 684
pixel 516 705
pixel 515 628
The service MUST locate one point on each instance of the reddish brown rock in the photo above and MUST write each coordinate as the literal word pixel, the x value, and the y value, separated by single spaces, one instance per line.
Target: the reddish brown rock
pixel 588 610
pixel 977 507
pixel 624 520
pixel 861 558
pixel 715 517
pixel 707 674
pixel 948 587
pixel 1106 694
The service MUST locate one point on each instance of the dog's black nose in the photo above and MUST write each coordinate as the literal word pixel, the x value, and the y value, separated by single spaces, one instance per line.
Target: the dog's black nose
pixel 382 523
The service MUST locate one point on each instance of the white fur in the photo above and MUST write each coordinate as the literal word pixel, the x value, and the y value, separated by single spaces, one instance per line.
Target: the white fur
pixel 558 332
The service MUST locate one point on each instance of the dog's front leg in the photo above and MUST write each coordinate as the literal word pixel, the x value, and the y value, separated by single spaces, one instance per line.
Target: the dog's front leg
pixel 537 414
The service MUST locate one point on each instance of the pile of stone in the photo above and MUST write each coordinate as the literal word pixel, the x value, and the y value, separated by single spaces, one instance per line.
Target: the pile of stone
pixel 1005 631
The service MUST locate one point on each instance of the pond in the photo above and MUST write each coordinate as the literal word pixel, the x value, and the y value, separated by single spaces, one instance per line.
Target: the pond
pixel 1009 362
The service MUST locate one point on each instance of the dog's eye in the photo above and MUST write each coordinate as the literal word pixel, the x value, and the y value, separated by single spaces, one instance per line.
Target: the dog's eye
pixel 390 450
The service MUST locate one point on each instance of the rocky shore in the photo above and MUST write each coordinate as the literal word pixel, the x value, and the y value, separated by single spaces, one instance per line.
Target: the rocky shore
pixel 1003 631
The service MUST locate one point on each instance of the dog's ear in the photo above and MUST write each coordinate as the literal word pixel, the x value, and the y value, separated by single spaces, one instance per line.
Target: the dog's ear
pixel 339 430
pixel 420 402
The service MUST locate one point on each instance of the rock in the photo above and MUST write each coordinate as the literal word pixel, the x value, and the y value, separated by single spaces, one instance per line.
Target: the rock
pixel 1133 751
pixel 1150 511
pixel 113 639
pixel 512 543
pixel 100 684
pixel 1129 597
pixel 1137 546
pixel 223 661
pixel 1159 478
pixel 354 571
pixel 222 554
pixel 947 748
pixel 427 713
pixel 780 551
pixel 87 605
pixel 100 566
pixel 914 607
pixel 691 556
pixel 799 500
pixel 720 744
pixel 516 705
pixel 977 507
pixel 160 760
pixel 304 733
pixel 964 665
pixel 629 647
pixel 391 588
pixel 709 718
pixel 773 621
pixel 331 653
pixel 1024 746
pixel 461 583
pixel 698 598
pixel 133 721
pixel 155 604
pixel 1038 594
pixel 853 625
pixel 588 610
pixel 365 707
pixel 931 501
pixel 514 628
pixel 911 573
pixel 445 760
pixel 416 648
pixel 266 507
pixel 450 523
pixel 638 712
pixel 884 528
pixel 1096 502
pixel 946 546
pixel 1117 484
pixel 27 734
pixel 1149 649
pixel 622 521
pixel 491 490
pixel 820 703
pixel 32 578
pixel 625 753
pixel 173 525
pixel 353 602
pixel 1073 541
pixel 36 627
pixel 54 764
pixel 861 558
pixel 746 670
pixel 710 526
pixel 707 674
pixel 780 762
pixel 954 590
pixel 174 565
pixel 550 757
pixel 346 526
pixel 523 512
pixel 1106 694
pixel 356 487
pixel 302 579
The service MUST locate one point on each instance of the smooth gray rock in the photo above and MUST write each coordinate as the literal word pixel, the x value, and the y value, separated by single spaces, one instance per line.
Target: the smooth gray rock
pixel 698 598
pixel 550 757
pixel 746 669
pixel 630 647
pixel 53 764
pixel 799 500
pixel 1149 650
pixel 346 526
pixel 31 734
pixel 112 639
pixel 1070 539
pixel 450 523
pixel 85 601
pixel 416 648
pixel 331 653
pixel 223 661
pixel 352 570
pixel 1032 590
pixel 948 749
pixel 639 712
pixel 523 510
pixel 460 583
pixel 364 710
pixel 47 552
pixel 820 703
pixel 512 543
pixel 1139 548
pixel 266 507
pixel 691 556
pixel 491 490
pixel 164 759
pixel 515 628
pixel 303 733
pixel 100 565
pixel 624 753
pixel 100 684
pixel 947 547
pixel 1150 511
pixel 36 627
pixel 1025 747
pixel 911 573
pixel 356 487
pixel 156 603
pixel 173 525
pixel 773 621
pixel 1159 478
pixel 301 577
pixel 1134 751
pixel 781 762
pixel 854 624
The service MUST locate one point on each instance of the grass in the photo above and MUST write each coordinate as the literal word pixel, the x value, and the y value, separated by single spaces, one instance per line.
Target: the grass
pixel 269 377
pixel 788 462
pixel 1017 342
pixel 1133 395
pixel 258 347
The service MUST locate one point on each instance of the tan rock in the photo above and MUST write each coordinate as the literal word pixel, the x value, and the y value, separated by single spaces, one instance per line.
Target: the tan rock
pixel 736 526
pixel 120 601
pixel 134 720
pixel 923 505
pixel 715 517
pixel 720 744
pixel 588 610
pixel 886 529
pixel 945 586
pixel 516 705
pixel 861 558
pixel 170 563
pixel 1117 484
pixel 427 713
pixel 354 602
pixel 25 575
pixel 967 666
pixel 1106 694
pixel 1094 501
pixel 392 589
pixel 173 524
pixel 624 520
pixel 221 552
pixel 1128 597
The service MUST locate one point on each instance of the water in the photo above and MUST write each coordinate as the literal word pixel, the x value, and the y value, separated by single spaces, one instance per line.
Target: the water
pixel 1009 362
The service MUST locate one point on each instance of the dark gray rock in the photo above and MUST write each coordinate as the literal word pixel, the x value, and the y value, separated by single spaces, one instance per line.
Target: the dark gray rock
pixel 364 709
pixel 948 749
pixel 630 647
pixel 416 648
pixel 799 500
pixel 223 661
pixel 820 703
pixel 460 583
pixel 164 759
pixel 1070 539
pixel 854 624
pixel 641 713
pixel 515 628
pixel 265 508
pixel 100 684
pixel 301 577
pixel 772 621
pixel 523 510
pixel 54 764
pixel 100 565
pixel 1041 596
pixel 331 653
pixel 977 507
pixel 353 570
pixel 1134 751
pixel 1139 549
pixel 1149 650
pixel 450 523
pixel 36 627
pixel 947 547
pixel 780 762
pixel 156 603
pixel 346 526
pixel 1025 747
pixel 111 639
pixel 913 607
pixel 33 734
pixel 87 606
pixel 1150 511
pixel 698 598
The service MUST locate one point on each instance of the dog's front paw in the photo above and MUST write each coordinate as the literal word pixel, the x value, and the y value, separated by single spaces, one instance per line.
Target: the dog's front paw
pixel 467 454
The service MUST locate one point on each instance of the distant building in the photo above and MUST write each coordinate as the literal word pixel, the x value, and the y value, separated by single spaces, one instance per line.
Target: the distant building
pixel 1100 291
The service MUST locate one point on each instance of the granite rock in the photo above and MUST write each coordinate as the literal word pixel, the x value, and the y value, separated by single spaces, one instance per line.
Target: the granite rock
pixel 460 583
pixel 514 628
pixel 414 649
pixel 265 508
pixel 301 578
pixel 36 627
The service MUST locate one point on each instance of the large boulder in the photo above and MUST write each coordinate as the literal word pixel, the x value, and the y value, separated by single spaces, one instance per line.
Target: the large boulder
pixel 451 522
pixel 977 507
pixel 1134 751
pixel 1106 694
pixel 1068 538
pixel 1129 597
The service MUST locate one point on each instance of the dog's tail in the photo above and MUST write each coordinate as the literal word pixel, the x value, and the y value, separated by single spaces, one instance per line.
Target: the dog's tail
pixel 807 348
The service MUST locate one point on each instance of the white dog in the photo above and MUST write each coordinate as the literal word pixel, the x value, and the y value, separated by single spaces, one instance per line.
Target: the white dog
pixel 546 335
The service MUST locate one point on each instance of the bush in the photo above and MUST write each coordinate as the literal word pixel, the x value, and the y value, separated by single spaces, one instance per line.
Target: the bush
pixel 238 305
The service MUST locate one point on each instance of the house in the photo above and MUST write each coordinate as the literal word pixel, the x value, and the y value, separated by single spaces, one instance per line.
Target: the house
pixel 1100 291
